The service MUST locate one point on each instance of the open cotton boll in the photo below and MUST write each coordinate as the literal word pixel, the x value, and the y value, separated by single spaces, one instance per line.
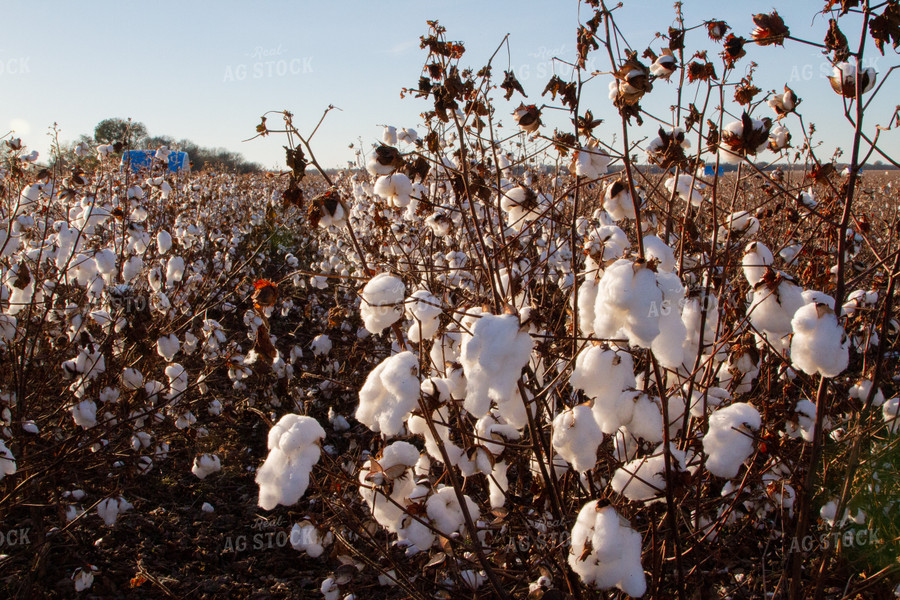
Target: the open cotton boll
pixel 407 135
pixel 741 224
pixel 423 308
pixel 293 451
pixel 576 437
pixel 455 454
pixel 606 552
pixel 163 241
pixel 390 393
pixel 591 162
pixel 83 578
pixel 386 483
pixel 445 512
pixel 305 537
pixel 382 300
pixel 658 250
pixel 601 372
pixel 7 461
pixel 889 410
pixel 321 345
pixel 395 189
pixel 775 300
pixel 520 205
pixel 819 344
pixel 174 271
pixel 587 298
pixel 617 201
pixel 729 441
pixel 684 186
pixel 668 346
pixel 109 509
pixel 205 465
pixel 645 478
pixel 493 356
pixel 389 136
pixel 84 413
pixel 168 346
pixel 806 420
pixel 757 257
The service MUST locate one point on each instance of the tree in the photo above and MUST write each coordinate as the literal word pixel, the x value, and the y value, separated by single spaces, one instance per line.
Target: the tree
pixel 128 132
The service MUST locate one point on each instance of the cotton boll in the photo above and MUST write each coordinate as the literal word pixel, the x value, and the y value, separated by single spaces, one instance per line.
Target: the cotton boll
pixel 587 297
pixel 646 419
pixel 658 250
pixel 389 394
pixel 293 445
pixel 163 241
pixel 174 271
pixel 493 357
pixel 445 512
pixel 617 201
pixel 205 465
pixel 519 204
pixel 109 509
pixel 132 379
pixel 576 437
pixel 83 578
pixel 7 461
pixel 606 552
pixel 395 189
pixel 686 188
pixel 806 419
pixel 305 537
pixel 321 345
pixel 819 344
pixel 603 373
pixel 132 268
pixel 645 478
pixel 729 441
pixel 889 410
pixel 168 346
pixel 382 299
pixel 84 414
pixel 775 300
pixel 590 161
pixel 423 308
pixel 757 257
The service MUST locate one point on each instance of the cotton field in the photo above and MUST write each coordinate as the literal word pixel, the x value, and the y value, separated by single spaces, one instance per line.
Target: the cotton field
pixel 477 362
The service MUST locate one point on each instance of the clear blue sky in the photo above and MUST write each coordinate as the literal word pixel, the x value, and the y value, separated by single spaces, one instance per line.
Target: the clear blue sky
pixel 207 71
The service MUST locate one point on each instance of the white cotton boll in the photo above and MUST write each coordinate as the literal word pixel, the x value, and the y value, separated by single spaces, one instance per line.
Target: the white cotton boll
pixel 606 552
pixel 382 302
pixel 83 578
pixel 174 271
pixel 445 512
pixel 729 441
pixel 668 346
pixel 293 445
pixel 106 261
pixel 163 241
pixel 132 379
pixel 84 414
pixel 587 297
pixel 819 344
pixel 806 419
pixel 889 410
pixel 617 201
pixel 645 478
pixel 493 356
pixel 109 509
pixel 602 373
pixel 407 135
pixel 207 508
pixel 685 187
pixel 168 346
pixel 658 250
pixel 591 162
pixel 389 136
pixel 390 393
pixel 472 579
pixel 519 204
pixel 132 268
pixel 7 461
pixel 205 465
pixel 773 306
pixel 423 308
pixel 576 437
pixel 757 257
pixel 305 537
pixel 441 419
pixel 395 189
pixel 646 419
pixel 321 345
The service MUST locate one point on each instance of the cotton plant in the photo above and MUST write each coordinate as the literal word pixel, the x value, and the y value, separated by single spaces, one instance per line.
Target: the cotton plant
pixel 294 449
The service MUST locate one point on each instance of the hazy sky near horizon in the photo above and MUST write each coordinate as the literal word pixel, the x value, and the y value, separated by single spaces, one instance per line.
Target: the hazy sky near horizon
pixel 206 72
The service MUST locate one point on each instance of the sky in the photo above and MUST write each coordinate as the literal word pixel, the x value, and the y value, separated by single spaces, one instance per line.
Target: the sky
pixel 208 71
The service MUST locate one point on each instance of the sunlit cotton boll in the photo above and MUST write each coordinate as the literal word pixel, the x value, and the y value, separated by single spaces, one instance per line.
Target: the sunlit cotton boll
pixel 109 509
pixel 205 465
pixel 293 445
pixel 395 189
pixel 382 302
pixel 591 162
pixel 729 441
pixel 576 437
pixel 389 394
pixel 686 186
pixel 606 552
pixel 819 344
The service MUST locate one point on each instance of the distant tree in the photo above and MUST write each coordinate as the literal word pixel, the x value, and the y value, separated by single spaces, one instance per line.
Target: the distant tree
pixel 125 131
